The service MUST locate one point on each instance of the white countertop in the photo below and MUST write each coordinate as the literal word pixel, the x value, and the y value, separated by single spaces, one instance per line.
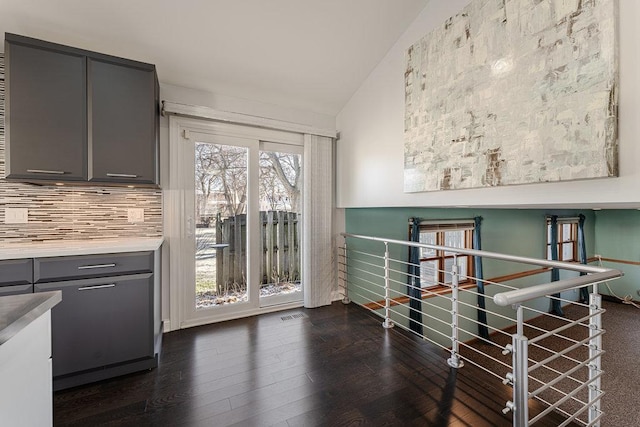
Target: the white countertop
pixel 77 247
pixel 18 311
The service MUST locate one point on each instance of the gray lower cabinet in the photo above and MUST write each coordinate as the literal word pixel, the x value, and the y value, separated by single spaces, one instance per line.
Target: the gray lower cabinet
pixel 46 119
pixel 101 322
pixel 16 277
pixel 108 322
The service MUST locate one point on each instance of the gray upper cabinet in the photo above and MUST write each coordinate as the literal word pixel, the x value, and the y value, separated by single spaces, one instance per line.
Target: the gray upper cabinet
pixel 79 116
pixel 122 123
pixel 46 120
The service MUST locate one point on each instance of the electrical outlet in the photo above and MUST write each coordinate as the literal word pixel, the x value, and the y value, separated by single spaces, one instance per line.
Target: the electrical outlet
pixel 135 215
pixel 16 215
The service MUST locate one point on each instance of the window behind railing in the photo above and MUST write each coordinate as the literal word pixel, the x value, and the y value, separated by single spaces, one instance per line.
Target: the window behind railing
pixel 435 265
pixel 567 239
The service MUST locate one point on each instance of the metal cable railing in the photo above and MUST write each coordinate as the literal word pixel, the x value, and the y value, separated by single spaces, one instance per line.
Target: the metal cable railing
pixel 540 355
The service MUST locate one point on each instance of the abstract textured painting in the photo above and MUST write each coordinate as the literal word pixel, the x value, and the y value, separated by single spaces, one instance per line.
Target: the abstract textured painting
pixel 513 92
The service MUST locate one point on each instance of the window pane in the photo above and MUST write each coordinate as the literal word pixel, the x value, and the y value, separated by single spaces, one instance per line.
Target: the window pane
pixel 428 237
pixel 451 238
pixel 280 190
pixel 448 262
pixel 454 239
pixel 221 226
pixel 567 234
pixel 463 268
pixel 428 273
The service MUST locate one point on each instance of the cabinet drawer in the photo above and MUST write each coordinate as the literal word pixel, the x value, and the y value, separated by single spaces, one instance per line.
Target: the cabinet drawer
pixel 16 272
pixel 16 290
pixel 56 269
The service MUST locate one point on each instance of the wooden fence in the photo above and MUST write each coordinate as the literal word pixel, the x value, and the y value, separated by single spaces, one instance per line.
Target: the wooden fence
pixel 279 236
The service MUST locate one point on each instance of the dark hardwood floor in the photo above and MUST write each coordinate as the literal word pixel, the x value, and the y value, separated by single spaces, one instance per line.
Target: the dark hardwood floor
pixel 335 367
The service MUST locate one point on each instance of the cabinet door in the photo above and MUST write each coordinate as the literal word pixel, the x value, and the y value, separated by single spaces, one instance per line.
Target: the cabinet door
pixel 46 120
pixel 101 322
pixel 122 123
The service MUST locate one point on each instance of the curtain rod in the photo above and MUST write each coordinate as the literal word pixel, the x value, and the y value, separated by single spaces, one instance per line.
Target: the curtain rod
pixel 446 221
pixel 565 218
pixel 203 112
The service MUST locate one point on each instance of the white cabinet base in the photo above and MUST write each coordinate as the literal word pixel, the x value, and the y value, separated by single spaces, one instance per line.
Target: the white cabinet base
pixel 26 376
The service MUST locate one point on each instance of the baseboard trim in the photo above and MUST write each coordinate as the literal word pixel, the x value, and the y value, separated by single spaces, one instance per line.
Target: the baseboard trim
pixel 611 298
pixel 103 373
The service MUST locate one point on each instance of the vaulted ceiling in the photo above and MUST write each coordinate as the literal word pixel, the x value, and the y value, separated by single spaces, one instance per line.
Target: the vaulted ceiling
pixel 305 54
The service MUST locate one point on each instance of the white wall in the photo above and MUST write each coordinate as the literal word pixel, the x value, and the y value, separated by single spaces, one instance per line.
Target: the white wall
pixel 189 96
pixel 370 152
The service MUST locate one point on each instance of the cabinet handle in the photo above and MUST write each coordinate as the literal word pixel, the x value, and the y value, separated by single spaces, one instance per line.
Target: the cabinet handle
pixel 89 267
pixel 45 171
pixel 90 288
pixel 122 175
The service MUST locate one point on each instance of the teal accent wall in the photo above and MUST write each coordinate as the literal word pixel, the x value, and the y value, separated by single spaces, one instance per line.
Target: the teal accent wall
pixel 618 237
pixel 512 231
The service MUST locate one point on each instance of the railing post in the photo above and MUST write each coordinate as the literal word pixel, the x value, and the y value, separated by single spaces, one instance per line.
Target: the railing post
pixel 345 296
pixel 388 323
pixel 520 377
pixel 595 352
pixel 454 361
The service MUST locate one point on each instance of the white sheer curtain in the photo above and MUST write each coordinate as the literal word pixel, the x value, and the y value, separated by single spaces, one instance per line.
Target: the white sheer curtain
pixel 318 267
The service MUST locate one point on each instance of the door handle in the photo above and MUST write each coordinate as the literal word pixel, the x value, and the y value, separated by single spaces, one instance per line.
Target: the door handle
pixel 189 227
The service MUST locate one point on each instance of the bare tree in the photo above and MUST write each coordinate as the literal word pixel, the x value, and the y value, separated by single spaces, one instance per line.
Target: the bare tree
pixel 271 190
pixel 221 170
pixel 281 176
pixel 232 169
pixel 206 178
pixel 221 174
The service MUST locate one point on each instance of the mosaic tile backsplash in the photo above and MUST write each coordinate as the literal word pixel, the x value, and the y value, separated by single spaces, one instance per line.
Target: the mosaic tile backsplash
pixel 73 213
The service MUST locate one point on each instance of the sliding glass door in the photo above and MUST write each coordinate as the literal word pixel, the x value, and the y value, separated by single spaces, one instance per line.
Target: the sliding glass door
pixel 240 249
